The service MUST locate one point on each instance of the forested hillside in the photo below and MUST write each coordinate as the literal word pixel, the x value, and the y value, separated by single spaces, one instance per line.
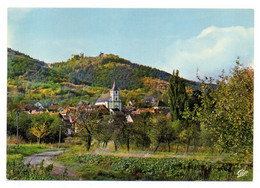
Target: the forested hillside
pixel 98 71
pixel 104 69
pixel 82 78
pixel 22 66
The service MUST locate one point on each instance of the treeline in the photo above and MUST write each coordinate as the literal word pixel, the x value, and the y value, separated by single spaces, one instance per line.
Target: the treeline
pixel 219 116
pixel 35 128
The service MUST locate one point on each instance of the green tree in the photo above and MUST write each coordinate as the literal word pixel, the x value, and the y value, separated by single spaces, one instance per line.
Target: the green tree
pixel 121 130
pixel 191 126
pixel 85 123
pixel 177 127
pixel 161 131
pixel 141 128
pixel 227 111
pixel 103 132
pixel 177 96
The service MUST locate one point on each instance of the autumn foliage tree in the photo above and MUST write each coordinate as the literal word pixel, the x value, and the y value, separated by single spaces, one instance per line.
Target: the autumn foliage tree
pixel 40 131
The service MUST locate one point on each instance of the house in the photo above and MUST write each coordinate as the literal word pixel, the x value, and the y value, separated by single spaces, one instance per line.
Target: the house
pixel 83 102
pixel 129 119
pixel 34 104
pixel 130 103
pixel 143 110
pixel 33 107
pixel 38 105
pixel 111 100
pixel 159 105
pixel 149 100
pixel 129 109
pixel 55 108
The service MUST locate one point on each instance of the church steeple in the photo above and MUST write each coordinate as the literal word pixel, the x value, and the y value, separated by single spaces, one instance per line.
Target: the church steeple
pixel 114 101
pixel 114 88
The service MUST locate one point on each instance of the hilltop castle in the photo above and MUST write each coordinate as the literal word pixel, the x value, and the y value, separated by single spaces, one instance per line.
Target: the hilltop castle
pixel 111 100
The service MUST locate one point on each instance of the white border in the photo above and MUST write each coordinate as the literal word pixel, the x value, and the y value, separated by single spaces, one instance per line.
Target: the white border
pixel 4 4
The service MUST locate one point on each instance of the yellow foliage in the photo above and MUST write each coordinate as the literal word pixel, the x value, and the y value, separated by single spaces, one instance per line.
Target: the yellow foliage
pixel 40 131
pixel 47 92
pixel 155 84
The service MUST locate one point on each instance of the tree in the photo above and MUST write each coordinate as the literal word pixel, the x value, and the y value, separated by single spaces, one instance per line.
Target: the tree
pixel 191 125
pixel 103 131
pixel 177 96
pixel 141 127
pixel 40 131
pixel 227 111
pixel 177 127
pixel 121 130
pixel 161 132
pixel 85 123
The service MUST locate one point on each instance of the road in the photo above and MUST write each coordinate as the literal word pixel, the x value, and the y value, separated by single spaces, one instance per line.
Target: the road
pixel 58 168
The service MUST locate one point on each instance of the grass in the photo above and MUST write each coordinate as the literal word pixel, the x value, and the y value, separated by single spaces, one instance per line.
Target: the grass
pixel 26 149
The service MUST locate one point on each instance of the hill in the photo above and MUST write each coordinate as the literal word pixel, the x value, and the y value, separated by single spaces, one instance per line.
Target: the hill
pixel 102 70
pixel 22 66
pixel 98 71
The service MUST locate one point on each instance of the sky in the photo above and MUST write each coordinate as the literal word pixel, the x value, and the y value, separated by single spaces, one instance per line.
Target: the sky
pixel 191 40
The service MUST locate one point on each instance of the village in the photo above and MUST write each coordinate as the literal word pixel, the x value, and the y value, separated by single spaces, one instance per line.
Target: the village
pixel 106 104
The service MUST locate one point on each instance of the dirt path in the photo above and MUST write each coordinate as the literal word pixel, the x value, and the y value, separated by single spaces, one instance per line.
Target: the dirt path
pixel 58 168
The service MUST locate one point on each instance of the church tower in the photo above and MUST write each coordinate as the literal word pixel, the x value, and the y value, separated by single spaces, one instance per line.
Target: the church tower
pixel 115 102
pixel 114 92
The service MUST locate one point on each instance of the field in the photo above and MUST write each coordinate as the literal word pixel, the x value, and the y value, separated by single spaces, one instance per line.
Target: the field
pixel 139 165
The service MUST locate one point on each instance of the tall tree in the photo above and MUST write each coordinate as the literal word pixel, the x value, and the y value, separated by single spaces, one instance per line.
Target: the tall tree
pixel 177 96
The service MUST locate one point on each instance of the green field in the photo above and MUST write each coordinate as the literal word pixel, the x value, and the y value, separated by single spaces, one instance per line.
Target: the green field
pixel 149 166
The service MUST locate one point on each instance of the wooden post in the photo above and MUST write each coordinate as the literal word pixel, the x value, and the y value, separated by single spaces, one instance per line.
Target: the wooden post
pixel 17 115
pixel 60 136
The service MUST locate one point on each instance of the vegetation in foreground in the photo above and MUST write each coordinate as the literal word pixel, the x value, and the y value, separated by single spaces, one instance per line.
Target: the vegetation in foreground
pixel 92 166
pixel 15 168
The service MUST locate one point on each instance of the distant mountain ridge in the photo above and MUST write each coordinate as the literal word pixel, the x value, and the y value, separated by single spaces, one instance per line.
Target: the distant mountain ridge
pixel 98 71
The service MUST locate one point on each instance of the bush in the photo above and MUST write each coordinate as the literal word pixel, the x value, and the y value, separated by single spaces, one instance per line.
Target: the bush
pixel 16 170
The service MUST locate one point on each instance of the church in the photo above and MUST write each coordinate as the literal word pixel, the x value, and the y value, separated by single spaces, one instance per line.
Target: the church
pixel 111 100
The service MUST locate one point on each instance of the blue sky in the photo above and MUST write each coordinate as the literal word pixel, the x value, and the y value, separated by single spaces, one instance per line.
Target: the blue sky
pixel 207 40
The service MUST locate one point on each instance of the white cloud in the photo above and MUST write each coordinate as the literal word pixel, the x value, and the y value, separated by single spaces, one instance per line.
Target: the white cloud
pixel 213 50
